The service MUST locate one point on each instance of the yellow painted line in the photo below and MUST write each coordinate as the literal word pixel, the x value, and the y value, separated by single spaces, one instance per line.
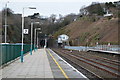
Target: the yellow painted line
pixel 58 66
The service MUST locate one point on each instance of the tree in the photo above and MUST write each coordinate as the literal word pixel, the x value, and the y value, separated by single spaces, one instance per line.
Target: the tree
pixel 95 9
pixel 110 4
pixel 35 15
pixel 9 11
pixel 53 18
pixel 60 18
pixel 83 11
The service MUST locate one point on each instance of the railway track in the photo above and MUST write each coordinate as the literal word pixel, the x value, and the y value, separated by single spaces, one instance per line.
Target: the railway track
pixel 113 64
pixel 109 59
pixel 82 69
pixel 114 71
pixel 98 58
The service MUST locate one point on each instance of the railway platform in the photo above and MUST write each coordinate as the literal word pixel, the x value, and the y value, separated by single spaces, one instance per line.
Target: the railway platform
pixel 42 64
pixel 104 51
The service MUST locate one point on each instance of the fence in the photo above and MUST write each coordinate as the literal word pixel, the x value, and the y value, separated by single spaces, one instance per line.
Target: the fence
pixel 10 52
pixel 115 48
pixel 108 47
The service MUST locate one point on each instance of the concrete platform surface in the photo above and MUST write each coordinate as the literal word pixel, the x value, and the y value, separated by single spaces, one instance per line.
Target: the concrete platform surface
pixel 34 66
pixel 43 64
pixel 69 71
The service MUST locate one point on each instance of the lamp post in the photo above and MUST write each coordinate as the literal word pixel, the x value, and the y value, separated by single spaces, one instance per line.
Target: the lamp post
pixel 32 35
pixel 22 51
pixel 35 37
pixel 45 41
pixel 6 22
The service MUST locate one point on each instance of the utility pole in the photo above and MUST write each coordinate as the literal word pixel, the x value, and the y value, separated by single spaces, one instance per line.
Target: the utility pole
pixel 6 22
pixel 22 51
pixel 22 35
pixel 31 37
pixel 35 37
pixel 38 38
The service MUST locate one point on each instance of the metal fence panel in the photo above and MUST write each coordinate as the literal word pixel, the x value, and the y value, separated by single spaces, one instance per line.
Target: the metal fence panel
pixel 9 52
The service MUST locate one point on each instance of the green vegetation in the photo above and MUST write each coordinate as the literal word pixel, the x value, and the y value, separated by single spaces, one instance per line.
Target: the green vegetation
pixel 95 9
pixel 96 37
pixel 61 31
pixel 84 36
pixel 106 43
pixel 89 18
pixel 110 4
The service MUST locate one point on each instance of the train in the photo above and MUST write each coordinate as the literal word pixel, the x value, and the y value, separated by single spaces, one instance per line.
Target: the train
pixel 63 40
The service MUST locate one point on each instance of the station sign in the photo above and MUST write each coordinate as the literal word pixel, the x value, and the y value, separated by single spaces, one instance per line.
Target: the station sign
pixel 25 31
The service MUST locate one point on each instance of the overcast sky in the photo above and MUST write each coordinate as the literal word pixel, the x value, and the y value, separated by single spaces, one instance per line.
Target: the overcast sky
pixel 48 7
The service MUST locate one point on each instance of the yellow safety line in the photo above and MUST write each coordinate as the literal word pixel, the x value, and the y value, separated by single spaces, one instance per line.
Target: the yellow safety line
pixel 58 65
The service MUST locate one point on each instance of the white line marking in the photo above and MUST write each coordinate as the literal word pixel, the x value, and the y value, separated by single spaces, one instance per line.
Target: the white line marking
pixel 70 65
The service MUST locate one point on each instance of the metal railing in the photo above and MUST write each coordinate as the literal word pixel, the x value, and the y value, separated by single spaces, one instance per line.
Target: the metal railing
pixel 114 48
pixel 9 52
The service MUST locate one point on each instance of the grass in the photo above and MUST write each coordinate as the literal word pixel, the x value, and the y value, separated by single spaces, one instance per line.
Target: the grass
pixel 84 36
pixel 59 32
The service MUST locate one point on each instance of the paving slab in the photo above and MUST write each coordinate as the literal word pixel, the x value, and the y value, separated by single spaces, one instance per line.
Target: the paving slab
pixel 34 66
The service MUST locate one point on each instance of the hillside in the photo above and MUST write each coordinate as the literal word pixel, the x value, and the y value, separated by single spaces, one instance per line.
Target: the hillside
pixel 94 25
pixel 85 31
pixel 87 27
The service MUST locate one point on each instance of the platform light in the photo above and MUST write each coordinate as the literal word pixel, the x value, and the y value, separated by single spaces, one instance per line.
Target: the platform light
pixel 22 51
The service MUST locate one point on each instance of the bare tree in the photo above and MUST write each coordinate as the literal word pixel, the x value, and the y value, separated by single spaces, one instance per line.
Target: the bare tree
pixel 53 18
pixel 83 10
